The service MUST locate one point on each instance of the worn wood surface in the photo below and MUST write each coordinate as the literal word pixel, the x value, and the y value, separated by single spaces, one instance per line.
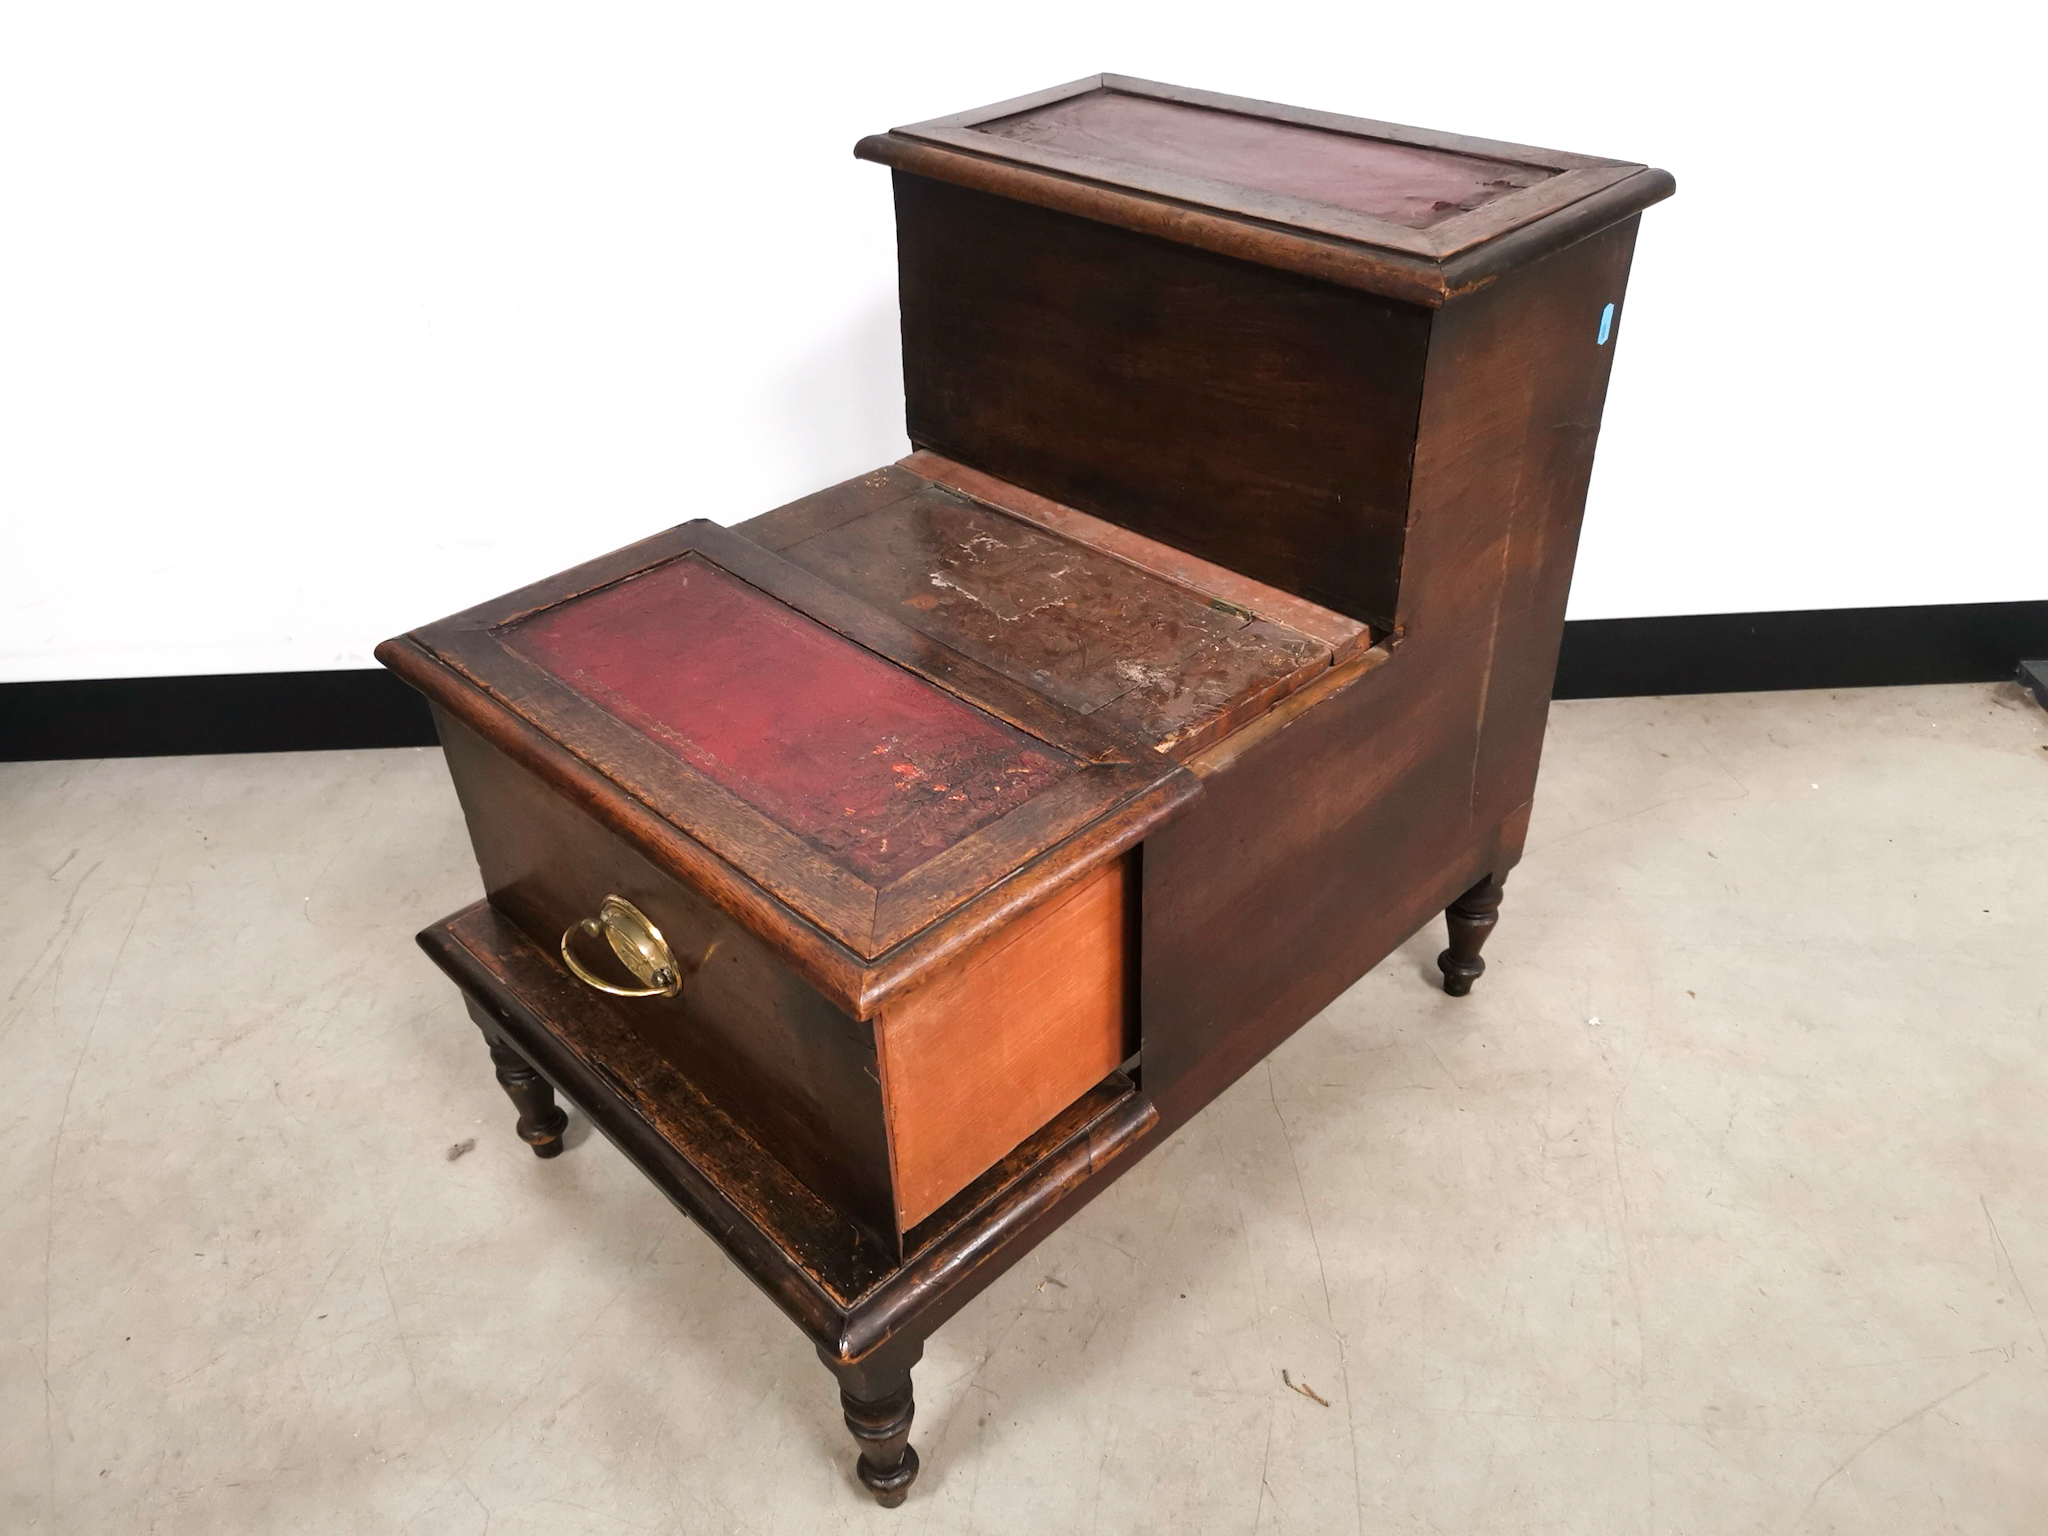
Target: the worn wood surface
pixel 811 1258
pixel 1077 627
pixel 1162 663
pixel 821 511
pixel 1213 582
pixel 1171 649
pixel 1095 792
pixel 1250 417
pixel 1220 688
pixel 976 1060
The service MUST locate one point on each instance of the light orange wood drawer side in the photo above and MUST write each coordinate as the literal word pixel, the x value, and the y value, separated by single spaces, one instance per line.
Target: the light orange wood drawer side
pixel 980 1058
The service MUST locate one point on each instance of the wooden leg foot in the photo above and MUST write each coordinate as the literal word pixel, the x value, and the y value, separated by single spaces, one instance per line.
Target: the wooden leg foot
pixel 541 1120
pixel 878 1407
pixel 1470 918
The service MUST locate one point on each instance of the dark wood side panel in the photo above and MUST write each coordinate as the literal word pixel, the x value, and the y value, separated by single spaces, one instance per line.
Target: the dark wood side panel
pixel 754 1037
pixel 1325 836
pixel 1252 417
pixel 1313 852
pixel 1561 374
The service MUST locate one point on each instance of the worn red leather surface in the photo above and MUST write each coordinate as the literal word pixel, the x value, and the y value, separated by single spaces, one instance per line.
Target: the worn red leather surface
pixel 867 763
pixel 1405 183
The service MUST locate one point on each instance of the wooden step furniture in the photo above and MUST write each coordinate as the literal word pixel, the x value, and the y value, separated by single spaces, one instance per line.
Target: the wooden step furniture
pixel 887 875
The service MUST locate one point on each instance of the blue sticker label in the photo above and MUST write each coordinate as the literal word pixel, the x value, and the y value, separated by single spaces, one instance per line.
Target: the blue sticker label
pixel 1606 326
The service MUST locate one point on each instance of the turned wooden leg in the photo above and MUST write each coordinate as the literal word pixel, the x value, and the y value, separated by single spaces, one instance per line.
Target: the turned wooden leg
pixel 877 1403
pixel 541 1120
pixel 1471 918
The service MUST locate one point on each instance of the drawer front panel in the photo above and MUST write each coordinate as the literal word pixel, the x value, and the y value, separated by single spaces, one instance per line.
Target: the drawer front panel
pixel 754 1037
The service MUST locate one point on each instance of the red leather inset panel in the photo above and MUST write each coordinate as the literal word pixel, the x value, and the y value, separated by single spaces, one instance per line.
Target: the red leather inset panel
pixel 872 766
pixel 1399 182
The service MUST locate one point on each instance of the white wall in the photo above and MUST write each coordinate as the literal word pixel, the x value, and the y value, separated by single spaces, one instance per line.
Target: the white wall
pixel 320 321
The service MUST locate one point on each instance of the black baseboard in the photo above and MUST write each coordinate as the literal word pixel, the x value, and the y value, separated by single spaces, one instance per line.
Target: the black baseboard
pixel 1602 658
pixel 245 712
pixel 1809 648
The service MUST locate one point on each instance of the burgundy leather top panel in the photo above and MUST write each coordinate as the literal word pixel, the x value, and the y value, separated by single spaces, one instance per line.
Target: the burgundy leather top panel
pixel 1401 183
pixel 870 765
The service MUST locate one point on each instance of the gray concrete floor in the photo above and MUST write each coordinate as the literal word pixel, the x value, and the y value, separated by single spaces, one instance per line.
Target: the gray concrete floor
pixel 1720 1206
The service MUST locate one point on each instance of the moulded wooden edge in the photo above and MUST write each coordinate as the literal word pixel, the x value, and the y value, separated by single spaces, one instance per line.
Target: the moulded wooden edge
pixel 1474 269
pixel 1573 175
pixel 954 1254
pixel 1305 215
pixel 986 915
pixel 1011 106
pixel 980 1244
pixel 1222 754
pixel 1425 280
pixel 1410 278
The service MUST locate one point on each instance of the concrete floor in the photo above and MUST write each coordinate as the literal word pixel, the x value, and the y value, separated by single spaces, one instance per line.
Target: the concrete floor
pixel 1720 1206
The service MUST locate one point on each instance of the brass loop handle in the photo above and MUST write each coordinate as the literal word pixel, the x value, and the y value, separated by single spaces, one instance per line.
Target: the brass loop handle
pixel 638 944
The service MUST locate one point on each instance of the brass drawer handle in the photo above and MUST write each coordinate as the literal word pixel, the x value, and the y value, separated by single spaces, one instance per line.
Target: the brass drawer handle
pixel 638 944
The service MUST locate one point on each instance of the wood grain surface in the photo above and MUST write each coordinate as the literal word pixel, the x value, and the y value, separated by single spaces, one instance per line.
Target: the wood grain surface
pixel 981 1057
pixel 1325 837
